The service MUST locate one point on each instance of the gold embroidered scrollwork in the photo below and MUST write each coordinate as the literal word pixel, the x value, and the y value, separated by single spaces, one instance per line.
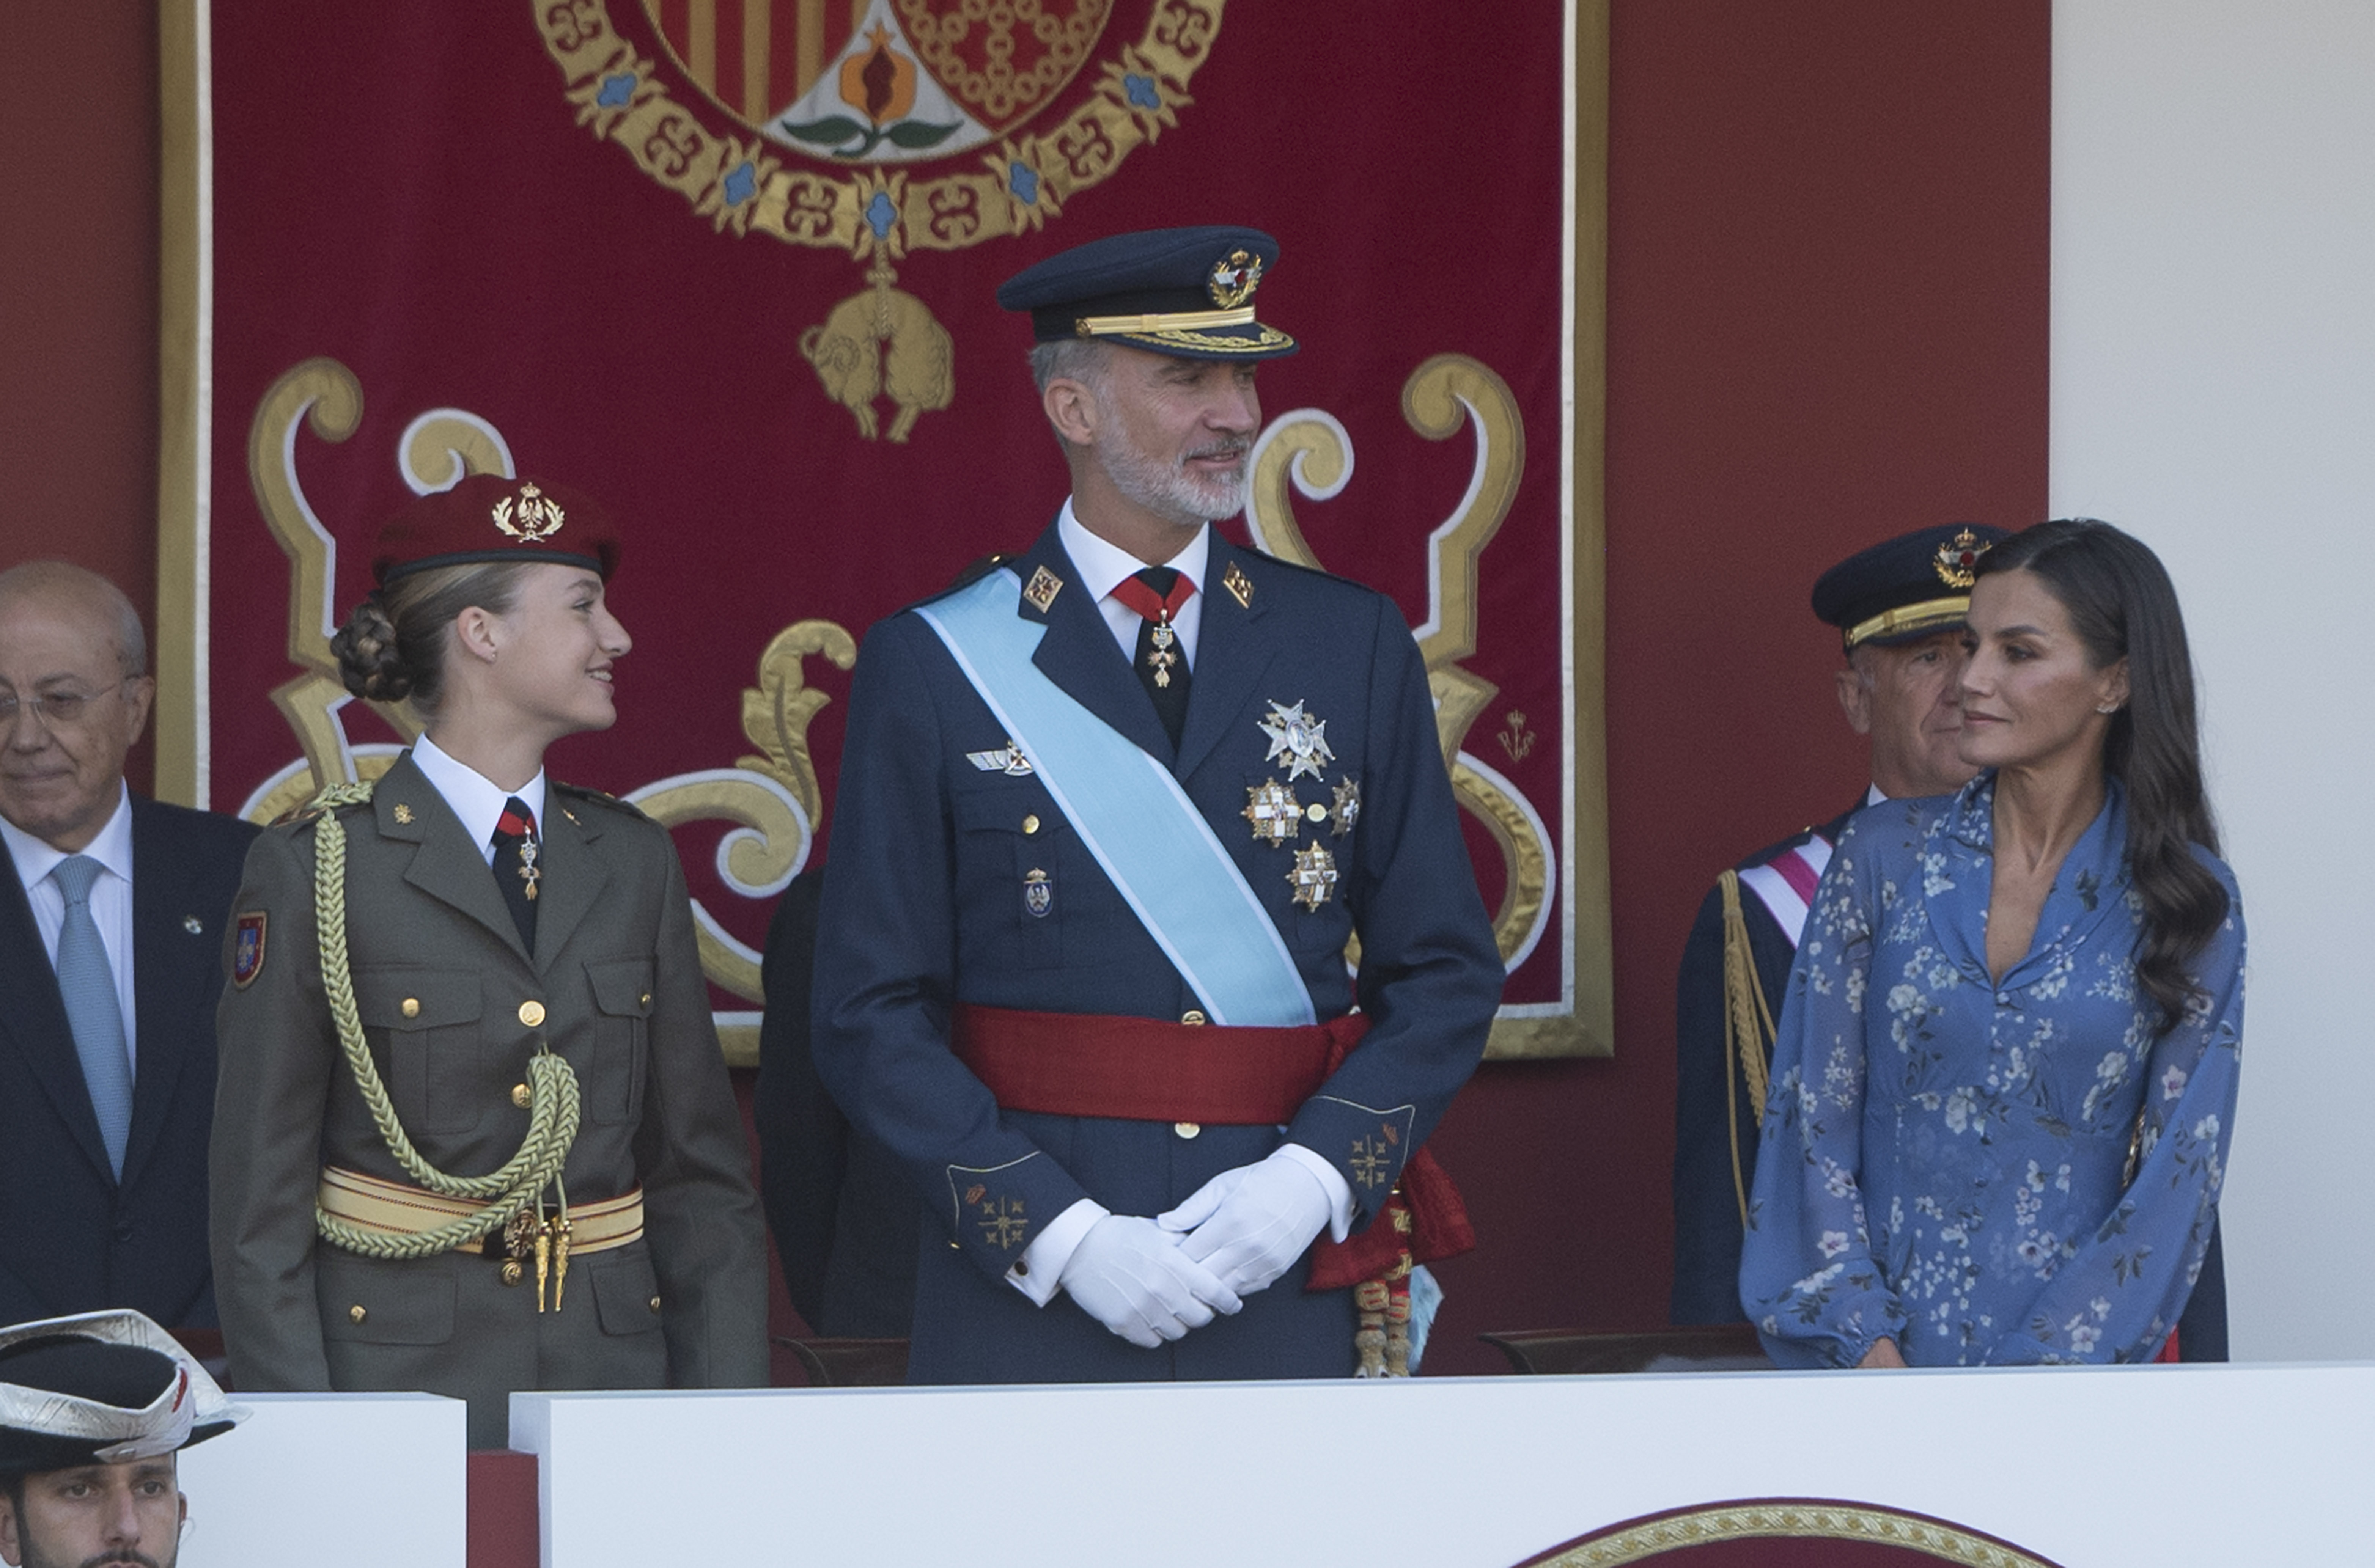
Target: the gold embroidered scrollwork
pixel 774 800
pixel 775 714
pixel 741 185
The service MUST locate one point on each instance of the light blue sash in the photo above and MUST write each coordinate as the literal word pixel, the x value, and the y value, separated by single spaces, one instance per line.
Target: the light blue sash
pixel 1130 813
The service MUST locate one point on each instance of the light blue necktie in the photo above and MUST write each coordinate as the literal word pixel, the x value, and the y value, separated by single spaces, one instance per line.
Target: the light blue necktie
pixel 86 983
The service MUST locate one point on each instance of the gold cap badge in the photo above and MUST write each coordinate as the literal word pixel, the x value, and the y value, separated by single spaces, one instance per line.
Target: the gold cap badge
pixel 1958 560
pixel 537 516
pixel 1234 278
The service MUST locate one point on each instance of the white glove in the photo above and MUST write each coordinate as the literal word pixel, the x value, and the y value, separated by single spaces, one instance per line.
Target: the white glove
pixel 1250 1224
pixel 1133 1277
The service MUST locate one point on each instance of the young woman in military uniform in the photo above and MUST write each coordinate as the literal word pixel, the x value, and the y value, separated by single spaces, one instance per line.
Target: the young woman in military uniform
pixel 474 1133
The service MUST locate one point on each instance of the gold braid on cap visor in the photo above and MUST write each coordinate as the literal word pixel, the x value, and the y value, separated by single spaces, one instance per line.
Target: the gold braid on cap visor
pixel 1928 615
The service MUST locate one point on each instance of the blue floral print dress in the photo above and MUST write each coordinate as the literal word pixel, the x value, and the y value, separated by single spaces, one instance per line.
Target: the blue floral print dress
pixel 1943 1155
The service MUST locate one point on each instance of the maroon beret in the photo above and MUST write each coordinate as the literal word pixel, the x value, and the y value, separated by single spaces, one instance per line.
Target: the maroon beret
pixel 488 518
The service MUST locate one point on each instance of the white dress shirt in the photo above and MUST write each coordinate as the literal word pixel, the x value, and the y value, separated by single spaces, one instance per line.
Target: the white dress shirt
pixel 1102 565
pixel 111 898
pixel 476 800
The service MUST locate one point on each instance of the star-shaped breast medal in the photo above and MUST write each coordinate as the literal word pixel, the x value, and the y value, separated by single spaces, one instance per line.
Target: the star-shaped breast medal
pixel 1299 738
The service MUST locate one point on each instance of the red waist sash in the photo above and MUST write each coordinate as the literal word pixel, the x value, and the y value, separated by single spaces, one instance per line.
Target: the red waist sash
pixel 1144 1069
pixel 1148 1071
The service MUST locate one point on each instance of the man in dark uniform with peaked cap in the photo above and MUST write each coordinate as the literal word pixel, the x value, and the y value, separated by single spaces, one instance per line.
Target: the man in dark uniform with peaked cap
pixel 1899 607
pixel 1106 820
pixel 93 1409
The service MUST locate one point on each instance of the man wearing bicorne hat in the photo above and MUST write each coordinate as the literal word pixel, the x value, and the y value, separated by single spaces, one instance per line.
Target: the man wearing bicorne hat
pixel 1107 821
pixel 92 1411
pixel 1898 609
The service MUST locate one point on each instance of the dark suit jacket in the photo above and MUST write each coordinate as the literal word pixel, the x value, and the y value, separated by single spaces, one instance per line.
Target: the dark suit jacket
pixel 1714 1117
pixel 843 1216
pixel 71 1239
pixel 950 883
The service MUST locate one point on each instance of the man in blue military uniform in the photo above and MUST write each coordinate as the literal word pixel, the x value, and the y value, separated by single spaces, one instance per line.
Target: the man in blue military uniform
pixel 1106 821
pixel 1899 607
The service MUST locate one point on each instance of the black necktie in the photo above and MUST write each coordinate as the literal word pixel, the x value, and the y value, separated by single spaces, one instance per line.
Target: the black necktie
pixel 516 870
pixel 1156 593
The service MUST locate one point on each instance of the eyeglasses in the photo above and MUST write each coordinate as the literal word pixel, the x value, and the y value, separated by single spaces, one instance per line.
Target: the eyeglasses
pixel 58 710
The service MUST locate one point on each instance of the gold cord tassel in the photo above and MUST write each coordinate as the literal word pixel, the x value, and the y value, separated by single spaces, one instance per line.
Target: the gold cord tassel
pixel 1747 1026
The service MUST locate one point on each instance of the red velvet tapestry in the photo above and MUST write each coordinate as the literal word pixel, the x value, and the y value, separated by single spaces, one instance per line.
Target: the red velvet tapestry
pixel 728 264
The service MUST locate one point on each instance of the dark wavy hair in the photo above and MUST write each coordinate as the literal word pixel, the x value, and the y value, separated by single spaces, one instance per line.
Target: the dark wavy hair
pixel 393 646
pixel 2121 604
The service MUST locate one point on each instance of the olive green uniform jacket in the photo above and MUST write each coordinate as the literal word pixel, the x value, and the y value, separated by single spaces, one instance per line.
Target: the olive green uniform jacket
pixel 441 978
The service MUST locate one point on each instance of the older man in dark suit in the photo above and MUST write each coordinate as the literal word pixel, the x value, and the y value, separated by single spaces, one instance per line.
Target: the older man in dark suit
pixel 110 944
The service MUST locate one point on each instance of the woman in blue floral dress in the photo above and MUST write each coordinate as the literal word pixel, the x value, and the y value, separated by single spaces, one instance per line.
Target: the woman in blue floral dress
pixel 2004 1079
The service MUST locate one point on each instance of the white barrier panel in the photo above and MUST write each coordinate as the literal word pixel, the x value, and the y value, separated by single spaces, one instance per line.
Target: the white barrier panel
pixel 2114 1467
pixel 363 1480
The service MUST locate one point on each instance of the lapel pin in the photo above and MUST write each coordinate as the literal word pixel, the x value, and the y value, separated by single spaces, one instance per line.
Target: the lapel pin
pixel 403 814
pixel 194 926
pixel 1240 586
pixel 1042 589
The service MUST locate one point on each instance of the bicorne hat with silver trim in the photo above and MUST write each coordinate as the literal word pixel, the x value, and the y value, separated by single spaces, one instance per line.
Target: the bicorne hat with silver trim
pixel 1185 292
pixel 101 1387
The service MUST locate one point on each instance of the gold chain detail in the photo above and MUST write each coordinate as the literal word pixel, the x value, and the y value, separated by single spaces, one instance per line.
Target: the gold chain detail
pixel 553 1108
pixel 997 91
pixel 1747 1026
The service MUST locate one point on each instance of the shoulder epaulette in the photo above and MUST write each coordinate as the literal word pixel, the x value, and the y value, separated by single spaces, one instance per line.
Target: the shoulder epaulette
pixel 600 797
pixel 333 797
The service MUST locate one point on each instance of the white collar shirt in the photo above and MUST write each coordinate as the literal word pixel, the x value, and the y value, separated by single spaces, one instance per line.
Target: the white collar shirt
pixel 111 898
pixel 475 798
pixel 1102 565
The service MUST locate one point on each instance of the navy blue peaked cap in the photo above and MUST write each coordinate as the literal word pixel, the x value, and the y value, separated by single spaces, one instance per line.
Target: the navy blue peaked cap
pixel 1913 586
pixel 1185 292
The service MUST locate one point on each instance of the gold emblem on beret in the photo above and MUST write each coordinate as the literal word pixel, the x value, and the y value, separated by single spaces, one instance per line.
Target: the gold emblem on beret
pixel 1234 278
pixel 1958 560
pixel 1042 589
pixel 1240 586
pixel 537 517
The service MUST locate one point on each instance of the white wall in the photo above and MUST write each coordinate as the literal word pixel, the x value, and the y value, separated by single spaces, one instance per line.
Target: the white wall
pixel 2214 392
